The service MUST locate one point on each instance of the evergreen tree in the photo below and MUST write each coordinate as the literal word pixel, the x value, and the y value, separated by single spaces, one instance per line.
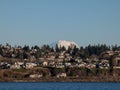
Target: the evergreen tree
pixel 1 51
pixel 26 48
pixel 36 47
pixel 52 49
pixel 57 48
pixel 63 48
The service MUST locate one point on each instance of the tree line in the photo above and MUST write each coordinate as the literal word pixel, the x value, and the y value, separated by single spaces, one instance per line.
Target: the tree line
pixel 26 51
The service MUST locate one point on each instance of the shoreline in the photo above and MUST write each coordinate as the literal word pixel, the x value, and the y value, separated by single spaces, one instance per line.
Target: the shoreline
pixel 68 79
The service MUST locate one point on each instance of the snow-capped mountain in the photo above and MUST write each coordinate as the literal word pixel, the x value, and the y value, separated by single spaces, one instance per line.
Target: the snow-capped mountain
pixel 64 43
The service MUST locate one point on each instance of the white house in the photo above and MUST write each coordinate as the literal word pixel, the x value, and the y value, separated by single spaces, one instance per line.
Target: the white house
pixel 45 63
pixel 17 65
pixel 30 65
pixel 61 75
pixel 36 76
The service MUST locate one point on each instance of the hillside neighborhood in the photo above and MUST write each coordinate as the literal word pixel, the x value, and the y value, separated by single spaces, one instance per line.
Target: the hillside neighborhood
pixel 58 62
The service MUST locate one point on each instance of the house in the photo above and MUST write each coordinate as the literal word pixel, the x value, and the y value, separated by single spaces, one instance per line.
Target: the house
pixel 45 63
pixel 32 58
pixel 59 60
pixel 17 65
pixel 61 75
pixel 91 66
pixel 82 64
pixel 67 64
pixel 61 56
pixel 51 63
pixel 78 60
pixel 36 76
pixel 52 57
pixel 104 64
pixel 5 65
pixel 30 65
pixel 59 65
pixel 110 53
pixel 116 62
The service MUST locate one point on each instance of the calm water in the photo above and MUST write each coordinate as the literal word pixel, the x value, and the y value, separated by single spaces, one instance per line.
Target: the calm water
pixel 59 86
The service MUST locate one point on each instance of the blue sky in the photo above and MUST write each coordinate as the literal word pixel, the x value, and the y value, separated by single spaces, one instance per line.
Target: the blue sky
pixel 38 22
